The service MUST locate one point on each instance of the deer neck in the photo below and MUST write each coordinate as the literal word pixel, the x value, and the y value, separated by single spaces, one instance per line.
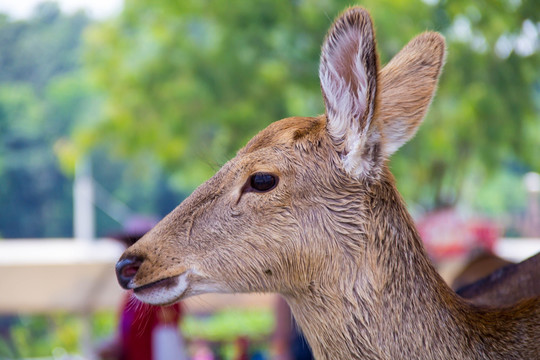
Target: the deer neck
pixel 372 306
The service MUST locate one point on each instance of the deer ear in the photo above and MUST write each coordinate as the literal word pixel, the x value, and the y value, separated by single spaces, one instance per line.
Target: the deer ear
pixel 348 74
pixel 406 86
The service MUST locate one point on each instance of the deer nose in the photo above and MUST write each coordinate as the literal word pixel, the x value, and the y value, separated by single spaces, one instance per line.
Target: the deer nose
pixel 126 269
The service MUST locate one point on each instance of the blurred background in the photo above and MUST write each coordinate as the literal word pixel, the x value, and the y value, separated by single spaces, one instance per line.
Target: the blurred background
pixel 112 112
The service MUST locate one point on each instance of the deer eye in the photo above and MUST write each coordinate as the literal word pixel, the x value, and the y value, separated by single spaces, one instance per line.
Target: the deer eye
pixel 262 182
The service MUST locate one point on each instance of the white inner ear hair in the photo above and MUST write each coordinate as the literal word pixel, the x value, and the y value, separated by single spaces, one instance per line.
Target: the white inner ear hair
pixel 344 83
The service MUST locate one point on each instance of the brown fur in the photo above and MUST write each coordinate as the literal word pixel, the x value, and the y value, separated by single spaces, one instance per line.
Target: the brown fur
pixel 480 264
pixel 506 286
pixel 334 236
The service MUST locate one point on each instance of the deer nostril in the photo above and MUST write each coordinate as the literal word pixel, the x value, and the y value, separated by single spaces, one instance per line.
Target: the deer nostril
pixel 130 271
pixel 126 269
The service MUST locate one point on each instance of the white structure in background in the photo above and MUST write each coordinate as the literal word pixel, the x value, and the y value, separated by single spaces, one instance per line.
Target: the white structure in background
pixel 532 219
pixel 49 275
pixel 87 195
pixel 52 275
pixel 532 182
pixel 83 203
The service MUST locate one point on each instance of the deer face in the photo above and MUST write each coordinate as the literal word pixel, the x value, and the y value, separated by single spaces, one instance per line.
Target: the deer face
pixel 247 228
pixel 281 214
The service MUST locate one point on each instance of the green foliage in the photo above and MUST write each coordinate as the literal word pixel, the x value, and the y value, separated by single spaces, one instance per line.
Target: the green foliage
pixel 31 49
pixel 191 84
pixel 104 324
pixel 184 85
pixel 41 92
pixel 44 94
pixel 33 336
pixel 229 325
pixel 478 120
pixel 191 81
pixel 510 190
pixel 36 336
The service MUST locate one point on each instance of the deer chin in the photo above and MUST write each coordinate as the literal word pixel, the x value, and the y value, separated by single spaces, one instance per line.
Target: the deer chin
pixel 175 288
pixel 165 291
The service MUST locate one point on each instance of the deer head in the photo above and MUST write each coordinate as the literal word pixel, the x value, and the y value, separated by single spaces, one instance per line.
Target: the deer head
pixel 294 211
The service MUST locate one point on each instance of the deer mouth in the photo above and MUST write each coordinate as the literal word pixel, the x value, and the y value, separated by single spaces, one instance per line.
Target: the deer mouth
pixel 163 292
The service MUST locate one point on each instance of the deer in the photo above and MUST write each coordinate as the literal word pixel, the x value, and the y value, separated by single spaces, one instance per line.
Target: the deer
pixel 506 285
pixel 309 210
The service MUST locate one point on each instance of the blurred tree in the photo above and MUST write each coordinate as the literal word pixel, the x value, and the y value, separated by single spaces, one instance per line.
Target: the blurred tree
pixel 31 49
pixel 40 91
pixel 191 81
pixel 43 94
pixel 41 335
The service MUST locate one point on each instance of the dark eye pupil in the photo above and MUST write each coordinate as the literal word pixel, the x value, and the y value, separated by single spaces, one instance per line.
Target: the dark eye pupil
pixel 263 181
